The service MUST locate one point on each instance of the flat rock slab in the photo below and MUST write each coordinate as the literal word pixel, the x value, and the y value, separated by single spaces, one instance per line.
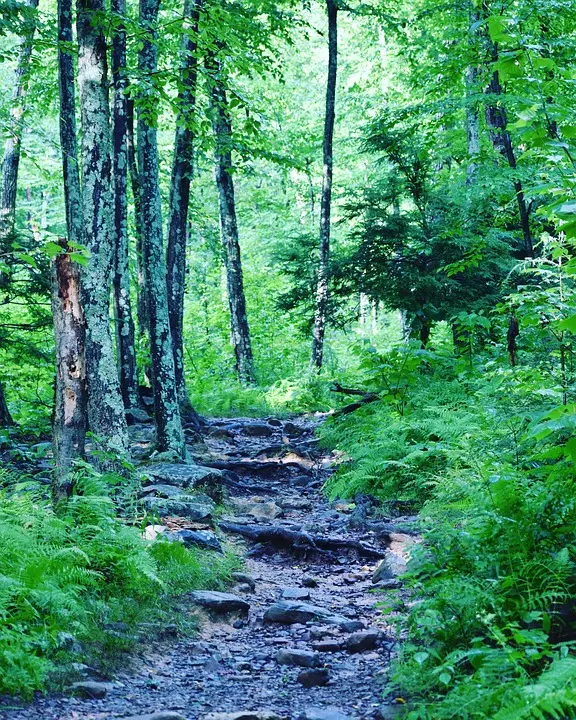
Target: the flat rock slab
pixel 197 538
pixel 258 510
pixel 363 640
pixel 295 594
pixel 290 613
pixel 91 690
pixel 160 715
pixel 161 490
pixel 220 602
pixel 184 475
pixel 301 658
pixel 185 506
pixel 244 715
pixel 323 713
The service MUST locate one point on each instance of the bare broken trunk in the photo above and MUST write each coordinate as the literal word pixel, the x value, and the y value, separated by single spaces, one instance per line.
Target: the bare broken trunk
pixel 322 286
pixel 69 429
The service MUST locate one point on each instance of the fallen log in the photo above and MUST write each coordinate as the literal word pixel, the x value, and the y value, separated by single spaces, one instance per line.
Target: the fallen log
pixel 366 397
pixel 286 539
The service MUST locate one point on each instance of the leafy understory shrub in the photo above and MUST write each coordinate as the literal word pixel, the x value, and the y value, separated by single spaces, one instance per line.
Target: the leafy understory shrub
pixel 83 586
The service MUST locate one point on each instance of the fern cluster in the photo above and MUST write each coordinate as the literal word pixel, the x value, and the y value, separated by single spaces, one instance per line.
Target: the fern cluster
pixel 68 582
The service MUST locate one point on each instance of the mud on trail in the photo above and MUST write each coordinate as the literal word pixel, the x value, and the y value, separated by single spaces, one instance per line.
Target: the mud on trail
pixel 299 635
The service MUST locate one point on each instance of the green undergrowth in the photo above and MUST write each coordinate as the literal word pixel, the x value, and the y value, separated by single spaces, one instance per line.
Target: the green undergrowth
pixel 486 455
pixel 84 586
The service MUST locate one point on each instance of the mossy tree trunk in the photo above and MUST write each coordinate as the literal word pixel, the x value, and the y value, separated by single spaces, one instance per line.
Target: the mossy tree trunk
pixel 105 408
pixel 182 170
pixel 169 433
pixel 125 335
pixel 323 279
pixel 222 128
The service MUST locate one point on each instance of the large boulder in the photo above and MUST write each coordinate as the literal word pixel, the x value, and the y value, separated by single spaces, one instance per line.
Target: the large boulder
pixel 220 603
pixel 290 613
pixel 204 539
pixel 186 476
pixel 187 506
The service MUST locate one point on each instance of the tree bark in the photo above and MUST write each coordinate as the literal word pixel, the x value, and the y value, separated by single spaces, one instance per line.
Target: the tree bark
pixel 69 429
pixel 322 287
pixel 502 142
pixel 125 336
pixel 169 433
pixel 222 127
pixel 472 111
pixel 5 416
pixel 182 170
pixel 11 158
pixel 105 408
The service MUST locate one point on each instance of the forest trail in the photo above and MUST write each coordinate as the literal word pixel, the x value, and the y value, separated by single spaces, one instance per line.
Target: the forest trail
pixel 235 665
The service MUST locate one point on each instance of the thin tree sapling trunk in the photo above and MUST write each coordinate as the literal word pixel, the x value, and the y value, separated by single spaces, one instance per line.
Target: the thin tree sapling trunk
pixel 322 287
pixel 169 433
pixel 222 127
pixel 105 408
pixel 125 335
pixel 182 170
pixel 472 110
pixel 69 428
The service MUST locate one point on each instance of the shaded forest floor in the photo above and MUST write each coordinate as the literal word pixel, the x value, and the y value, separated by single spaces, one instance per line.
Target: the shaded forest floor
pixel 300 634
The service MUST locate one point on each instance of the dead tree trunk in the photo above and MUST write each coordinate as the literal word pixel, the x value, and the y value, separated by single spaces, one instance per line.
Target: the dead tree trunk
pixel 125 336
pixel 322 287
pixel 69 430
pixel 182 170
pixel 169 433
pixel 222 126
pixel 5 416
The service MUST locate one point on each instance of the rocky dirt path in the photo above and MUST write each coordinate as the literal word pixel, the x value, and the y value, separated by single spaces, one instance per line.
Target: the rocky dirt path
pixel 299 636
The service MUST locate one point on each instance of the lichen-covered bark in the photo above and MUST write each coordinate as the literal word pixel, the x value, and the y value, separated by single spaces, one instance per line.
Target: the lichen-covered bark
pixel 125 345
pixel 69 428
pixel 182 169
pixel 169 434
pixel 322 287
pixel 222 127
pixel 11 158
pixel 105 408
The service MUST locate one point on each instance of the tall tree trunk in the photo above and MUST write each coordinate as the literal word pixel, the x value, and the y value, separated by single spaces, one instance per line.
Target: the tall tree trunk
pixel 169 433
pixel 105 408
pixel 472 111
pixel 322 288
pixel 222 127
pixel 11 159
pixel 11 162
pixel 125 343
pixel 142 301
pixel 70 333
pixel 502 142
pixel 182 169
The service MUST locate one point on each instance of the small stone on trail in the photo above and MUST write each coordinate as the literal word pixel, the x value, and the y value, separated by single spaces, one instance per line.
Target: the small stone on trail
pixel 220 602
pixel 389 568
pixel 257 430
pixel 364 640
pixel 303 658
pixel 161 715
pixel 295 594
pixel 244 715
pixel 315 677
pixel 328 646
pixel 309 582
pixel 244 578
pixel 91 690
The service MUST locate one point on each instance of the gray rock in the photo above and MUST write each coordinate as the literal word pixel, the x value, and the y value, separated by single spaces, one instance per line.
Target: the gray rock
pixel 91 690
pixel 135 416
pixel 160 715
pixel 244 578
pixel 295 594
pixel 292 429
pixel 389 568
pixel 244 715
pixel 302 658
pixel 363 640
pixel 258 510
pixel 197 538
pixel 309 582
pixel 314 677
pixel 182 506
pixel 257 430
pixel 328 645
pixel 390 584
pixel 289 613
pixel 220 602
pixel 161 490
pixel 187 476
pixel 324 713
pixel 295 503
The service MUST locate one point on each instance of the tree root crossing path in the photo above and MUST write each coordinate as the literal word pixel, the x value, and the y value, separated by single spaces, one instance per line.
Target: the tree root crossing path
pixel 300 634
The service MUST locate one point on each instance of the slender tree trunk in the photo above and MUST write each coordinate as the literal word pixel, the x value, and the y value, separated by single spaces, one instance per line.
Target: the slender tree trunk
pixel 125 343
pixel 105 408
pixel 71 398
pixel 11 162
pixel 142 301
pixel 169 433
pixel 472 111
pixel 11 158
pixel 322 288
pixel 222 126
pixel 182 169
pixel 502 142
